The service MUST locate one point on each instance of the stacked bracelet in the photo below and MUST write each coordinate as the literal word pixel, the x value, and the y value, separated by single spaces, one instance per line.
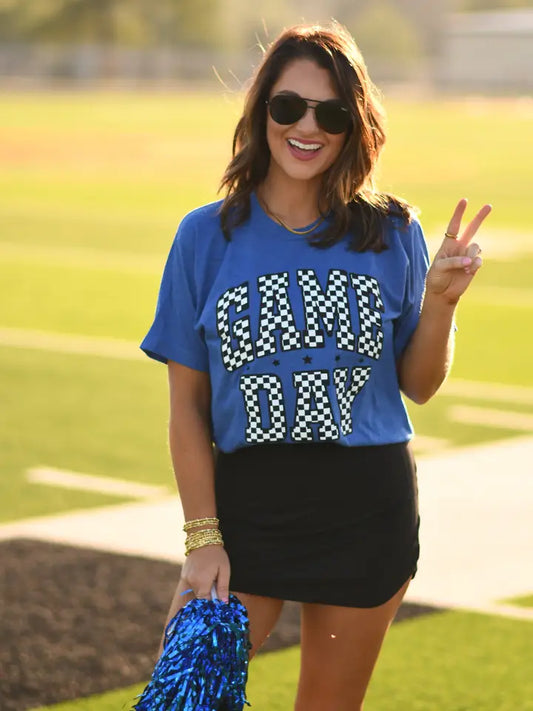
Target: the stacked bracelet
pixel 198 537
pixel 197 522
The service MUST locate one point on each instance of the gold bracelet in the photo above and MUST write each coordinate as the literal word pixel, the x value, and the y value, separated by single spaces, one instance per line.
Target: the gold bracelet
pixel 199 535
pixel 193 538
pixel 208 537
pixel 195 523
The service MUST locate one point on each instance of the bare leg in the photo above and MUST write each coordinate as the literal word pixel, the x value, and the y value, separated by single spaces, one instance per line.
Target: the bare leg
pixel 263 613
pixel 340 646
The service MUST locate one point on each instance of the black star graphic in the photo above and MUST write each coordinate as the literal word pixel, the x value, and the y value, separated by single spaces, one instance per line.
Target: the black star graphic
pixel 361 360
pixel 307 359
pixel 276 362
pixel 337 357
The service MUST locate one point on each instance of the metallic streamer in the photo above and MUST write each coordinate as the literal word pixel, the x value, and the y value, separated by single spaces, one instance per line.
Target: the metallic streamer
pixel 204 665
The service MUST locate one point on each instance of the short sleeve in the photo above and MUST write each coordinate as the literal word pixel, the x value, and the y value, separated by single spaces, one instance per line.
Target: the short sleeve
pixel 174 334
pixel 417 268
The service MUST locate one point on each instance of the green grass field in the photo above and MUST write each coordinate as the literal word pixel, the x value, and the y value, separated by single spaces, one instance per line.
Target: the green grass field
pixel 525 601
pixel 92 187
pixel 451 661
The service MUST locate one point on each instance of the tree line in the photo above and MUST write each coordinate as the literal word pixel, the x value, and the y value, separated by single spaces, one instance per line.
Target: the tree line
pixel 217 23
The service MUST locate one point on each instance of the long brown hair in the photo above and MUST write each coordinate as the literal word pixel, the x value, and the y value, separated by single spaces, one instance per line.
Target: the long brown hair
pixel 348 185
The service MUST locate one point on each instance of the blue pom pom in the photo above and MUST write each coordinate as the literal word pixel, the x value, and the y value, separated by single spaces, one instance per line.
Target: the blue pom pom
pixel 204 665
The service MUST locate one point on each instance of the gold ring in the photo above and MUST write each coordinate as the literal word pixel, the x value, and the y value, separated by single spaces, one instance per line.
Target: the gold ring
pixel 449 234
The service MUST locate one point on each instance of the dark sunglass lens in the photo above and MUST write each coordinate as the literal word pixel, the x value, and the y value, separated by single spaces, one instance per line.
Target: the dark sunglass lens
pixel 332 116
pixel 287 109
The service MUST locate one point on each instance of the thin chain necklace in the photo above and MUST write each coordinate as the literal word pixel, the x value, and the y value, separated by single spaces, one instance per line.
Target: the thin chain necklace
pixel 302 230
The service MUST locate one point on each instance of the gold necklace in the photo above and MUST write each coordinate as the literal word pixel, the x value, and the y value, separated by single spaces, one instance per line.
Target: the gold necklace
pixel 302 230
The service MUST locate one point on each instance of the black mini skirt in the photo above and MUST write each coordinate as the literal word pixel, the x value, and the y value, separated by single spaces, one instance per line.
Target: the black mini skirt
pixel 319 522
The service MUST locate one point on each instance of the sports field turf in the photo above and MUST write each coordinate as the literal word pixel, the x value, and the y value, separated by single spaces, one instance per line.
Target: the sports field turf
pixel 450 661
pixel 525 601
pixel 92 186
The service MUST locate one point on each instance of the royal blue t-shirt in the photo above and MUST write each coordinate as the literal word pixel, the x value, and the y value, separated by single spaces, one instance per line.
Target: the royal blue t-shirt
pixel 300 343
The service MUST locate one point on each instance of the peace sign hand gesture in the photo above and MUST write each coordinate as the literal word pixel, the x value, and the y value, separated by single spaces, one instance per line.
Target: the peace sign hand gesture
pixel 457 260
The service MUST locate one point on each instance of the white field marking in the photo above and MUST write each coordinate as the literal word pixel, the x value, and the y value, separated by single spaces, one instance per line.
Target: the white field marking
pixel 424 444
pixel 68 343
pixel 47 209
pixel 151 529
pixel 85 258
pixel 512 297
pixel 501 610
pixel 129 350
pixel 469 493
pixel 492 418
pixel 496 244
pixel 99 484
pixel 498 392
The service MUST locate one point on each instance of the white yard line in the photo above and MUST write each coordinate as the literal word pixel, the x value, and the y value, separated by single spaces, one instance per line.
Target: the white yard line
pixel 497 392
pixel 475 506
pixel 129 350
pixel 502 610
pixel 496 244
pixel 149 529
pixel 83 257
pixel 508 296
pixel 69 343
pixel 88 482
pixel 476 533
pixel 423 444
pixel 521 421
pixel 476 518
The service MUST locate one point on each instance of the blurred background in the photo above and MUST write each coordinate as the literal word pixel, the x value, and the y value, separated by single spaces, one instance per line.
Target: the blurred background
pixel 481 45
pixel 116 118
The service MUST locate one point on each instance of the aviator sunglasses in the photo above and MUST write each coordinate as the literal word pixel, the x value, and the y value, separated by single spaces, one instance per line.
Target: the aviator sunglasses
pixel 330 115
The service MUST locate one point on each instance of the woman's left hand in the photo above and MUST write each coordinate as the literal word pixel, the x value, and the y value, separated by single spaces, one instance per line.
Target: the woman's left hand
pixel 457 260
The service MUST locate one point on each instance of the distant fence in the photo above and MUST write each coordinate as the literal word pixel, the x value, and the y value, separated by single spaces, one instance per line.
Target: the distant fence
pixel 86 64
pixel 90 63
pixel 486 52
pixel 482 52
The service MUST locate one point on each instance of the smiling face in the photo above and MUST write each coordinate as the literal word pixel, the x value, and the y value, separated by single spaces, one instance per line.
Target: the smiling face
pixel 302 150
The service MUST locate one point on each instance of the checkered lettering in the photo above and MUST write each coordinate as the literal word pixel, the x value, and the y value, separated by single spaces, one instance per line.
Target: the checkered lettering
pixel 276 428
pixel 275 313
pixel 330 307
pixel 347 395
pixel 313 385
pixel 370 307
pixel 234 357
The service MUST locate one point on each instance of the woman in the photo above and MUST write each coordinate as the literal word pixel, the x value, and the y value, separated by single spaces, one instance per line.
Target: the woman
pixel 291 315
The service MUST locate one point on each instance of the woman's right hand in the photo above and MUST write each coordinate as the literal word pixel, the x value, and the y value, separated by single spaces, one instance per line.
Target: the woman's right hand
pixel 205 567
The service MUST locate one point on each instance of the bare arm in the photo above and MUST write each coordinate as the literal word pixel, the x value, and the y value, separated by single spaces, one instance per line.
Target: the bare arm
pixel 428 356
pixel 193 459
pixel 190 439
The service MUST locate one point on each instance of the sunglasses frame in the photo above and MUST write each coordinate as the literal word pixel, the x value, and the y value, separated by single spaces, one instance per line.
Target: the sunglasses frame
pixel 311 104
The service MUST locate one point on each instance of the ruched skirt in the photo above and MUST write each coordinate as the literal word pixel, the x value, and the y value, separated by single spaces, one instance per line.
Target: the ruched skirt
pixel 319 522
